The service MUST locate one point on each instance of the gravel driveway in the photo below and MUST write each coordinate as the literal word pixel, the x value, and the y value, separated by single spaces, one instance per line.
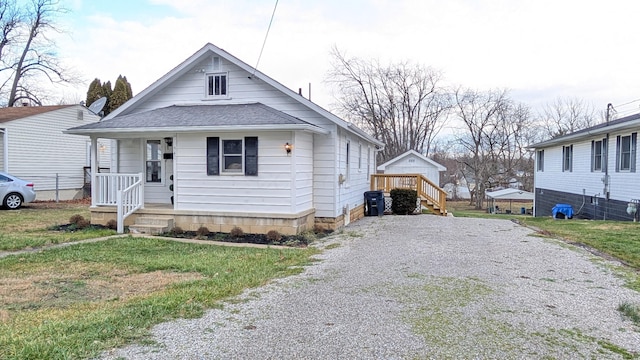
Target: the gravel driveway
pixel 416 287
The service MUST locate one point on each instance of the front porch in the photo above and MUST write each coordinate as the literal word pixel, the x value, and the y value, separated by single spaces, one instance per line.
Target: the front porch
pixel 119 197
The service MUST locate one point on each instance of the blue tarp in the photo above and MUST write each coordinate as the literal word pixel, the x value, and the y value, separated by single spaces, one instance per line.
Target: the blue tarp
pixel 565 209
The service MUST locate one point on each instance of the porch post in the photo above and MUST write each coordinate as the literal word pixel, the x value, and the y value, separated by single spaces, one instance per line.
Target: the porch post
pixel 94 170
pixel 142 181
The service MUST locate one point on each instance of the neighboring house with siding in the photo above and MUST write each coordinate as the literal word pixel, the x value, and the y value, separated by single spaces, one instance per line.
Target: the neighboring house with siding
pixel 216 143
pixel 594 170
pixel 34 147
pixel 412 162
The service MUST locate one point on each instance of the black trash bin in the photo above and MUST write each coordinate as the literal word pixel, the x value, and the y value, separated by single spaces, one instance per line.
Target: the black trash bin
pixel 373 203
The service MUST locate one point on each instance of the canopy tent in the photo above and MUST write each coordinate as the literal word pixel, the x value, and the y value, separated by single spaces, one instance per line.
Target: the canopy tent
pixel 509 194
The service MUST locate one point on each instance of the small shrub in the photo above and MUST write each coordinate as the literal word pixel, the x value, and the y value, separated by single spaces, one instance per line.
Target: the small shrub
pixel 82 223
pixel 202 231
pixel 403 201
pixel 75 219
pixel 177 230
pixel 274 236
pixel 112 224
pixel 236 232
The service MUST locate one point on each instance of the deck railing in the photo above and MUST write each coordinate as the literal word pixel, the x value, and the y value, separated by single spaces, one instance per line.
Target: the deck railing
pixel 125 191
pixel 426 189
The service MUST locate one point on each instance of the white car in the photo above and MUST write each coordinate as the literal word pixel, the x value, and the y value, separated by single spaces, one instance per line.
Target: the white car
pixel 14 191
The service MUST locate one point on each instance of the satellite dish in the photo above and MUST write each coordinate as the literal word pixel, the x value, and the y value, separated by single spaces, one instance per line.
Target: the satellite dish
pixel 97 105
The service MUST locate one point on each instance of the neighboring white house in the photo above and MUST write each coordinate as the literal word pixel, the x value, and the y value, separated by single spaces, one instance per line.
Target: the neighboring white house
pixel 594 170
pixel 34 147
pixel 412 162
pixel 219 144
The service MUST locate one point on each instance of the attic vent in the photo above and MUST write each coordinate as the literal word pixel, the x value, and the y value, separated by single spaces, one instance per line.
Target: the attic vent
pixel 80 115
pixel 216 63
pixel 412 160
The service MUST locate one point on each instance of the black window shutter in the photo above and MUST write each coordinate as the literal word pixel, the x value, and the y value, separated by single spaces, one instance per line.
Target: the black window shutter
pixel 634 137
pixel 564 158
pixel 251 156
pixel 213 156
pixel 618 153
pixel 593 155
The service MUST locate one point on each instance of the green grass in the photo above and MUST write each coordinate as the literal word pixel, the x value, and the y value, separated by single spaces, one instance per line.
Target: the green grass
pixel 81 322
pixel 29 226
pixel 632 312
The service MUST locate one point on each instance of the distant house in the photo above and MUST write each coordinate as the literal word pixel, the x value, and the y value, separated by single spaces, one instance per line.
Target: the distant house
pixel 216 143
pixel 594 170
pixel 34 147
pixel 412 162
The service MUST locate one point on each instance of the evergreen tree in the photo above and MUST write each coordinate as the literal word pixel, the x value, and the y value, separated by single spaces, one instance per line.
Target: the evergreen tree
pixel 106 91
pixel 95 92
pixel 119 95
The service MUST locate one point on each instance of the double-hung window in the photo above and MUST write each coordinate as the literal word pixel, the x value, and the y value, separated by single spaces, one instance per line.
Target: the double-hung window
pixel 216 85
pixel 540 160
pixel 598 155
pixel 567 158
pixel 232 156
pixel 626 152
pixel 154 161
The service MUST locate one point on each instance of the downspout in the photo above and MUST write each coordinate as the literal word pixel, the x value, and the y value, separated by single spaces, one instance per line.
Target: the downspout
pixel 5 150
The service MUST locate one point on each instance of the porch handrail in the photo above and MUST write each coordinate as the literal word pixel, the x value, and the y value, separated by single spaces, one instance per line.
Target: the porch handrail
pixel 425 188
pixel 109 184
pixel 128 201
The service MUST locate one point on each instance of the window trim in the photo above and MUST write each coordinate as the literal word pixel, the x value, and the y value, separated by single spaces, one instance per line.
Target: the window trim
pixel 567 158
pixel 215 156
pixel 159 160
pixel 598 165
pixel 207 80
pixel 540 160
pixel 620 152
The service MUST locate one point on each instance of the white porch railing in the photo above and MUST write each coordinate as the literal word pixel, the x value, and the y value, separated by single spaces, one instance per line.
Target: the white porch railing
pixel 122 190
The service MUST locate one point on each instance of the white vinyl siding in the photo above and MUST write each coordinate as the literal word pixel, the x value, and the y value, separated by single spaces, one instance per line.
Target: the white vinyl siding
pixel 189 88
pixel 622 185
pixel 38 150
pixel 411 164
pixel 271 191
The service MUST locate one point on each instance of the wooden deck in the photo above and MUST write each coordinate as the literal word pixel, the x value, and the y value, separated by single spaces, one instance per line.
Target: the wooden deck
pixel 432 197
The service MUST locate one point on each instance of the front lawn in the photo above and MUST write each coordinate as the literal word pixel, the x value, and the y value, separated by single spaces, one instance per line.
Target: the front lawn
pixel 32 225
pixel 77 301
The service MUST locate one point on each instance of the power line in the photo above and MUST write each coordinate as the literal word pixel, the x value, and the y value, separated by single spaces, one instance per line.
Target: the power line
pixel 265 37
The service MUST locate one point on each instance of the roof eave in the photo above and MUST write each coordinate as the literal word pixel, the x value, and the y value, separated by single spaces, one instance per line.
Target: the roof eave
pixel 231 128
pixel 587 134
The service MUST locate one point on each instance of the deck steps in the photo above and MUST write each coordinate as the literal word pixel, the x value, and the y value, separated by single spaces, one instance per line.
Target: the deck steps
pixel 152 224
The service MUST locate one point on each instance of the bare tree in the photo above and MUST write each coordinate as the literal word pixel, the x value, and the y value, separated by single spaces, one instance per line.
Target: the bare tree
pixel 400 104
pixel 566 115
pixel 28 54
pixel 493 140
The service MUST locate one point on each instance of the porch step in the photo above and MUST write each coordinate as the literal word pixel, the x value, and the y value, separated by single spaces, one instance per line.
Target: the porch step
pixel 152 224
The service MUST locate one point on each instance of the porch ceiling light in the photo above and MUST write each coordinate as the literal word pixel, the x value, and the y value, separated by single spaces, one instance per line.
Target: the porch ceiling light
pixel 288 148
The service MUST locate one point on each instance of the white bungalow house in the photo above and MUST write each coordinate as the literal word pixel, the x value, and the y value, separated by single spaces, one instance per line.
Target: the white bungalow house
pixel 216 143
pixel 34 147
pixel 412 162
pixel 593 170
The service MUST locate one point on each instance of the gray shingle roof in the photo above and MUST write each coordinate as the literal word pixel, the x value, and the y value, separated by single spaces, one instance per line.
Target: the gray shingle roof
pixel 199 116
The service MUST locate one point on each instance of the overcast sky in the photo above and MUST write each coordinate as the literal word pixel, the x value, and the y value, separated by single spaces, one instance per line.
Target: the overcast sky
pixel 539 49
